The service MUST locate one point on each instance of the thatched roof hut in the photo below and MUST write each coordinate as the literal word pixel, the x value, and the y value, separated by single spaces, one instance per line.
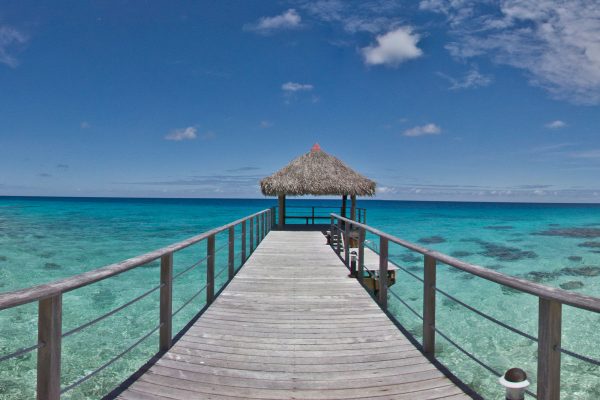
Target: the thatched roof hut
pixel 317 173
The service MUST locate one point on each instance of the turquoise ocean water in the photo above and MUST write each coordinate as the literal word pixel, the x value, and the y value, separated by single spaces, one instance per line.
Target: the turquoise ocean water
pixel 44 239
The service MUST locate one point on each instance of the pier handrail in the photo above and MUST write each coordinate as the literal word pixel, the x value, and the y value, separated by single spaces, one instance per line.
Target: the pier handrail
pixel 34 293
pixel 49 298
pixel 586 302
pixel 550 302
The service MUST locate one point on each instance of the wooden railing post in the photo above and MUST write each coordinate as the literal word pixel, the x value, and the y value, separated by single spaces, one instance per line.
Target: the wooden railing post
pixel 48 356
pixel 549 337
pixel 258 230
pixel 231 254
pixel 251 235
pixel 331 227
pixel 347 244
pixel 273 217
pixel 244 241
pixel 166 302
pixel 339 236
pixel 210 269
pixel 383 268
pixel 429 306
pixel 361 254
pixel 257 226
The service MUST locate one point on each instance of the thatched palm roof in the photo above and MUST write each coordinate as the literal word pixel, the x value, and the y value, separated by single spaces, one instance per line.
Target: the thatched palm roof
pixel 317 173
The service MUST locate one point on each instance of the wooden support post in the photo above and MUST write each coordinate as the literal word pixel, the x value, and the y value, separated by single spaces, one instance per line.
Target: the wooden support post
pixel 361 254
pixel 48 356
pixel 549 337
pixel 383 275
pixel 166 302
pixel 347 244
pixel 258 230
pixel 344 197
pixel 429 306
pixel 210 269
pixel 231 254
pixel 313 215
pixel 244 240
pixel 251 235
pixel 339 236
pixel 353 208
pixel 281 222
pixel 364 216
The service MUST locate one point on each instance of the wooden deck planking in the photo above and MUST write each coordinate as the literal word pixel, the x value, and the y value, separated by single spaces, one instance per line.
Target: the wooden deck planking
pixel 292 325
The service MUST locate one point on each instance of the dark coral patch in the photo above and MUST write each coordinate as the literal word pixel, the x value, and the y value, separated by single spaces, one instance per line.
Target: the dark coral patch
pixel 542 276
pixel 577 232
pixel 52 266
pixel 505 253
pixel 575 258
pixel 571 285
pixel 460 253
pixel 3 258
pixel 587 270
pixel 432 240
pixel 593 245
pixel 410 258
pixel 499 227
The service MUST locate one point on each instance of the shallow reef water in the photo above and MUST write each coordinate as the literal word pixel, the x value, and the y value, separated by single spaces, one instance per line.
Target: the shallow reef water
pixel 42 240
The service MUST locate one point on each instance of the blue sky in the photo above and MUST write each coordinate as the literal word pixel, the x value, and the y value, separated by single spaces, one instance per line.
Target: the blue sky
pixel 435 100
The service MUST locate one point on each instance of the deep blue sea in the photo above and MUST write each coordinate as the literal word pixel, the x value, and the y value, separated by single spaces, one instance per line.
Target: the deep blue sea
pixel 44 239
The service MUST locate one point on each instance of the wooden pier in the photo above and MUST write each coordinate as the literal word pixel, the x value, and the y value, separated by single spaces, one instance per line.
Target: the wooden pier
pixel 292 325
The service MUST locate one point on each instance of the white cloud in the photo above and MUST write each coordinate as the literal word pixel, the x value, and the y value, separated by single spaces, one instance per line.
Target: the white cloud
pixel 556 44
pixel 393 48
pixel 557 124
pixel 471 80
pixel 385 190
pixel 427 129
pixel 296 87
pixel 189 133
pixel 590 154
pixel 85 125
pixel 265 124
pixel 374 16
pixel 10 39
pixel 288 20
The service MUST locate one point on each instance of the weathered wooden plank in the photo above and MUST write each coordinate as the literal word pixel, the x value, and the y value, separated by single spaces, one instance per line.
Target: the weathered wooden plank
pixel 290 374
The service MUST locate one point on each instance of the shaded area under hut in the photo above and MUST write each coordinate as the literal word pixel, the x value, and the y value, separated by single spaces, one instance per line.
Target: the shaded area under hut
pixel 319 174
